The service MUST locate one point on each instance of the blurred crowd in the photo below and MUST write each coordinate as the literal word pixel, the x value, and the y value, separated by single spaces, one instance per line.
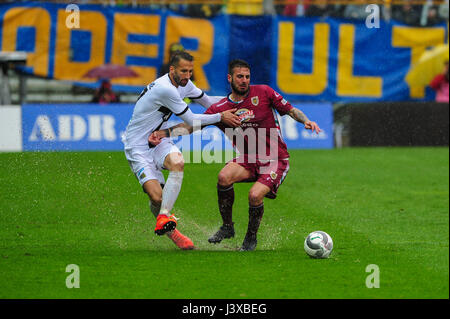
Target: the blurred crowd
pixel 406 11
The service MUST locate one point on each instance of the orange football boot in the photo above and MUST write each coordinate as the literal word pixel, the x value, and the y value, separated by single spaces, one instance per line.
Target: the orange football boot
pixel 182 241
pixel 165 224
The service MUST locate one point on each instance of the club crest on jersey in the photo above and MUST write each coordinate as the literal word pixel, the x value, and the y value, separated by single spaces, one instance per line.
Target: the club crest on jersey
pixel 245 115
pixel 273 175
pixel 255 100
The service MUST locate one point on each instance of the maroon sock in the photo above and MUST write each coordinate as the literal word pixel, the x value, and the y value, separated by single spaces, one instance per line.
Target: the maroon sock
pixel 225 195
pixel 255 215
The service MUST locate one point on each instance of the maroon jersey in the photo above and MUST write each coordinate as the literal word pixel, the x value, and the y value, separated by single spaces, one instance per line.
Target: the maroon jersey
pixel 259 134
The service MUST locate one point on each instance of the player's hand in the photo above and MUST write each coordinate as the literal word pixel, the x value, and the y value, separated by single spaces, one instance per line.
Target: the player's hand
pixel 229 118
pixel 155 138
pixel 310 125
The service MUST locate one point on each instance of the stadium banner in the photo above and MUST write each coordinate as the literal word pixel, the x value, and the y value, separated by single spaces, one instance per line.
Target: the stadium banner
pixel 65 41
pixel 344 60
pixel 304 58
pixel 92 127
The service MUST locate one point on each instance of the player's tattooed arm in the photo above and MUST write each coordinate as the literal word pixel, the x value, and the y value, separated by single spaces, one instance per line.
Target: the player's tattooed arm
pixel 299 116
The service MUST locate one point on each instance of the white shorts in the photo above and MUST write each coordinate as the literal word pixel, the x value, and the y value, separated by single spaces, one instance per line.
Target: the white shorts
pixel 148 163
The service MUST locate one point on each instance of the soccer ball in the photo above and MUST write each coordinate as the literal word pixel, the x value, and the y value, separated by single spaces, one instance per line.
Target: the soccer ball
pixel 318 244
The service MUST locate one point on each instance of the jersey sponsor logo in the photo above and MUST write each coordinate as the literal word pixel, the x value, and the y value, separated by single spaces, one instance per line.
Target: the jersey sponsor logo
pixel 283 101
pixel 245 115
pixel 255 100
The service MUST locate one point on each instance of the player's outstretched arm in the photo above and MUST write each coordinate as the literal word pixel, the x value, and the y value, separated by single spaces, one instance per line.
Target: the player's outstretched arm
pixel 299 116
pixel 206 101
pixel 227 117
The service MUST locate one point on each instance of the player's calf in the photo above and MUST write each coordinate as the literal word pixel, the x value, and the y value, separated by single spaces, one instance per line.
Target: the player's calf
pixel 255 215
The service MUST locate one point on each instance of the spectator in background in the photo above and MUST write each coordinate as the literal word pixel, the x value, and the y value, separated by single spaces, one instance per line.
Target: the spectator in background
pixel 440 85
pixel 430 14
pixel 319 10
pixel 104 94
pixel 203 10
pixel 407 13
pixel 249 8
pixel 323 9
pixel 356 11
pixel 291 9
pixel 443 10
pixel 270 8
pixel 174 47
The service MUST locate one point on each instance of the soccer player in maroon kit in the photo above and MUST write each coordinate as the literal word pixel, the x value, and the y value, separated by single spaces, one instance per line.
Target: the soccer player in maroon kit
pixel 263 158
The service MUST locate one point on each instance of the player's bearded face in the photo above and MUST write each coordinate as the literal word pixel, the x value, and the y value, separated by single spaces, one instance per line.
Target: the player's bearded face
pixel 183 72
pixel 178 80
pixel 240 81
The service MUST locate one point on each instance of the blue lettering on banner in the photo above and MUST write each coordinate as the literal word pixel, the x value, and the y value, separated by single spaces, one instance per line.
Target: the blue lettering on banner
pixel 74 127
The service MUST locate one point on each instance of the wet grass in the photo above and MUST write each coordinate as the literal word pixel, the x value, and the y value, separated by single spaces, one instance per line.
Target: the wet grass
pixel 383 206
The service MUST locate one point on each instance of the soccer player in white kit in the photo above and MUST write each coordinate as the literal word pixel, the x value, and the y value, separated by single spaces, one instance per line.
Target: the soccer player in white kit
pixel 157 102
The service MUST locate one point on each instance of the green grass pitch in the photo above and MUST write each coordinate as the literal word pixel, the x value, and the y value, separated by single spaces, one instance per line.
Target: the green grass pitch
pixel 382 206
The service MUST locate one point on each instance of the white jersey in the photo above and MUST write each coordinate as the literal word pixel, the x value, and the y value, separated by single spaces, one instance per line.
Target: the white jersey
pixel 159 100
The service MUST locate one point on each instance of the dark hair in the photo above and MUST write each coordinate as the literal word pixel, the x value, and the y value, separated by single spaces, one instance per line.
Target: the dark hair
pixel 237 63
pixel 178 55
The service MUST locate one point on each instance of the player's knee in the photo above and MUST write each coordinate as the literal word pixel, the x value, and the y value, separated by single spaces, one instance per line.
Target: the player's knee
pixel 176 163
pixel 177 167
pixel 255 198
pixel 223 179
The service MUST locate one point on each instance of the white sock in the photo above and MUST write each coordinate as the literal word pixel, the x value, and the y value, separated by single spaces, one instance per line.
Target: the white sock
pixel 170 192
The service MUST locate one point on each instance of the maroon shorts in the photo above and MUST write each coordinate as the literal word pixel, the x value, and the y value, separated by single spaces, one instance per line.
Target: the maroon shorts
pixel 269 173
